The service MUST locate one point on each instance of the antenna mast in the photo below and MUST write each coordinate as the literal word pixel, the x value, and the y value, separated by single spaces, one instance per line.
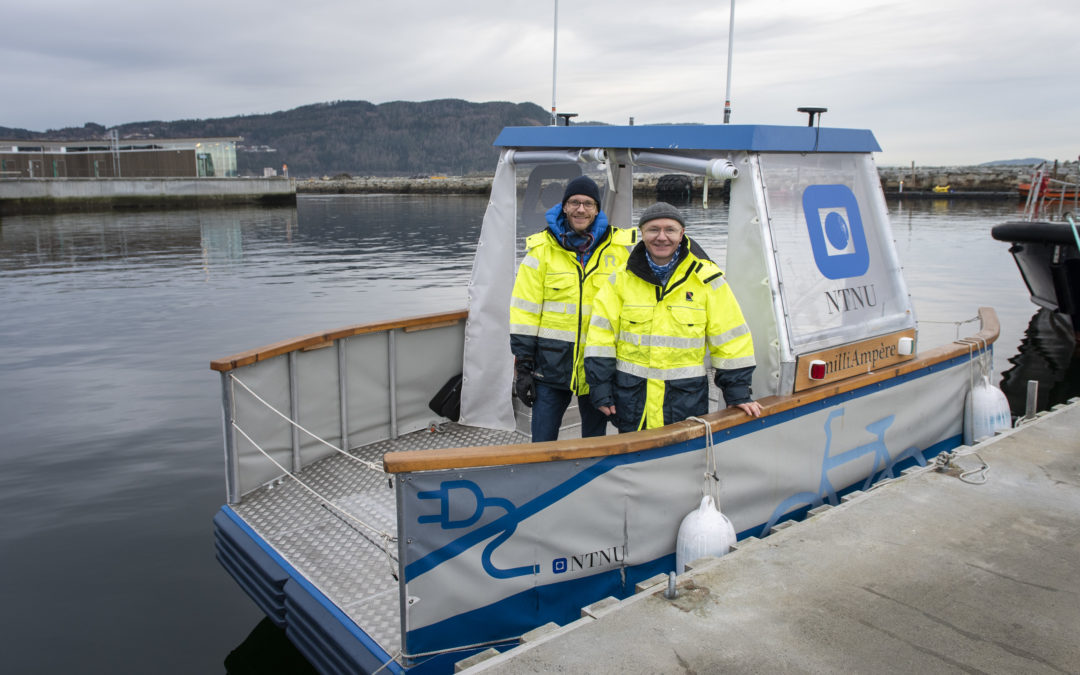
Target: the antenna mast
pixel 554 63
pixel 730 45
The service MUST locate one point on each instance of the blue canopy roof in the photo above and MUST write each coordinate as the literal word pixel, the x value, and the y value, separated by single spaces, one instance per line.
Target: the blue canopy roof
pixel 749 137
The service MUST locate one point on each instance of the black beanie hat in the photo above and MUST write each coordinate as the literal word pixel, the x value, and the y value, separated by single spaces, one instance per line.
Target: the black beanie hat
pixel 582 185
pixel 661 210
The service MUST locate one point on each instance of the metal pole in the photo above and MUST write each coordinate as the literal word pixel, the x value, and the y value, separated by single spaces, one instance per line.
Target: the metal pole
pixel 730 48
pixel 343 394
pixel 294 411
pixel 554 63
pixel 392 353
pixel 232 462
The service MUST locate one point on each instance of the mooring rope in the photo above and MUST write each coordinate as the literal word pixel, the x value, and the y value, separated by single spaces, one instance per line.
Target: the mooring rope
pixel 370 465
pixel 711 480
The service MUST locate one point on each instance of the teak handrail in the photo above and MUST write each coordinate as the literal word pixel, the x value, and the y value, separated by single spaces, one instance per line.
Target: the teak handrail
pixel 317 340
pixel 587 448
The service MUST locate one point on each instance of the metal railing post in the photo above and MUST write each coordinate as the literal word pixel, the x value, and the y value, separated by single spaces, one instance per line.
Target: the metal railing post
pixel 392 354
pixel 343 394
pixel 294 411
pixel 232 462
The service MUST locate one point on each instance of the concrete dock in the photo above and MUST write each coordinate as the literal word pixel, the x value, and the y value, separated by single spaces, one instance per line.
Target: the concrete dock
pixel 950 569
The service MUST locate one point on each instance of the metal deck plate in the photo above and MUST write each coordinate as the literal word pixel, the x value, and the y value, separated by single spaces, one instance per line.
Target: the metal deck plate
pixel 349 563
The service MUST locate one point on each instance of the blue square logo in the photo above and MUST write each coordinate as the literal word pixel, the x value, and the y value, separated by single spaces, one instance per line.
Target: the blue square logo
pixel 836 231
pixel 558 565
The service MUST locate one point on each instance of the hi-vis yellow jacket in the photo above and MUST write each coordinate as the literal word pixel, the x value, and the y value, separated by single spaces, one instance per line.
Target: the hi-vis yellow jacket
pixel 552 301
pixel 647 343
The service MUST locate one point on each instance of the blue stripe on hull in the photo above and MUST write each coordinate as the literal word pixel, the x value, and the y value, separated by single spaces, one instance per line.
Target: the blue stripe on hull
pixel 326 637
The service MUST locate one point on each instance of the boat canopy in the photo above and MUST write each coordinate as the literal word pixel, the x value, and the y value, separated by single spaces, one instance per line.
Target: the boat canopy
pixel 810 254
pixel 746 137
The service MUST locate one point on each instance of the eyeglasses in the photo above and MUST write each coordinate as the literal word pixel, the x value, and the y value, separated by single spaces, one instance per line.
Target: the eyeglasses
pixel 575 204
pixel 671 231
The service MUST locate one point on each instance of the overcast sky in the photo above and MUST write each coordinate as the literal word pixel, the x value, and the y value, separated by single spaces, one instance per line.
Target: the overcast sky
pixel 938 82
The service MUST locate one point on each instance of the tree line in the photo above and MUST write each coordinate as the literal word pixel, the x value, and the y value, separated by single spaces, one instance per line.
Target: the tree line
pixel 400 138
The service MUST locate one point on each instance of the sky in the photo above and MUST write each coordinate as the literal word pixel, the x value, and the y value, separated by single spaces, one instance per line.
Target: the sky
pixel 943 82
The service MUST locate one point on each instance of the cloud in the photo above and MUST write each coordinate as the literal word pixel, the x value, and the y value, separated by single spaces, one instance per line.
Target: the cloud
pixel 955 82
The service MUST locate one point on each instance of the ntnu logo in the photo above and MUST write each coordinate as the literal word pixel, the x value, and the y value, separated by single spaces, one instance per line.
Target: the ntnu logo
pixel 836 231
pixel 602 558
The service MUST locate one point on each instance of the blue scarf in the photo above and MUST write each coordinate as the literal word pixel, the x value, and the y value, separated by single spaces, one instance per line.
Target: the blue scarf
pixel 662 272
pixel 582 243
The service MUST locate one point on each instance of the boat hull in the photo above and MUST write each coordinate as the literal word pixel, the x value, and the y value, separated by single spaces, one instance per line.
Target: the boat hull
pixel 1049 261
pixel 488 553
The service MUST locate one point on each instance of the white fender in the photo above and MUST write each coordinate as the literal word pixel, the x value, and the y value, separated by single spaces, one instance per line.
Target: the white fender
pixel 703 532
pixel 986 412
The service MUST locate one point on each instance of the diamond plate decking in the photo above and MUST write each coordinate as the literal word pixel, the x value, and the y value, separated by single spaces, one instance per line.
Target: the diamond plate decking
pixel 350 564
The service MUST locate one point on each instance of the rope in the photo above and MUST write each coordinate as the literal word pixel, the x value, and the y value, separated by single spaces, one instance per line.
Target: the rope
pixel 956 324
pixel 711 479
pixel 450 650
pixel 1076 235
pixel 364 462
pixel 393 658
pixel 386 536
pixel 942 462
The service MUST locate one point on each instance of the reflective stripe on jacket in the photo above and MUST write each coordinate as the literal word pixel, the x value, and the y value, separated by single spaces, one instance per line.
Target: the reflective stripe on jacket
pixel 551 303
pixel 647 343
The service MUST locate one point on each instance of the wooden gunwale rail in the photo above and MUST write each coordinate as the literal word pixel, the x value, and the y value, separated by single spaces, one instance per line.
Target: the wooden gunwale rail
pixel 325 339
pixel 586 448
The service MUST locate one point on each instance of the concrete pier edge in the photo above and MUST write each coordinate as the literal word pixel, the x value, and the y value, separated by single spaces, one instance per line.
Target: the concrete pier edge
pixel 595 614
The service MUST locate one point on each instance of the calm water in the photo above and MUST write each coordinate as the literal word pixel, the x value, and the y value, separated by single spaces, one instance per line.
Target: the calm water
pixel 110 416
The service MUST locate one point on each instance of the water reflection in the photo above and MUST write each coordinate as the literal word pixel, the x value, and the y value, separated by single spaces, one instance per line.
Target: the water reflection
pixel 1049 354
pixel 267 650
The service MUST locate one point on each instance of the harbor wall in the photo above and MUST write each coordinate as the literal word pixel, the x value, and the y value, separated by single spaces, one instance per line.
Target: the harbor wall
pixel 51 195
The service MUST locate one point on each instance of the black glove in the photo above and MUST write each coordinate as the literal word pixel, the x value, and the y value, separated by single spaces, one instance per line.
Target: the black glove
pixel 524 387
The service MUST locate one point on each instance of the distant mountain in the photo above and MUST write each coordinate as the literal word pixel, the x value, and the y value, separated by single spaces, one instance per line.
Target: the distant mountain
pixel 355 137
pixel 1030 161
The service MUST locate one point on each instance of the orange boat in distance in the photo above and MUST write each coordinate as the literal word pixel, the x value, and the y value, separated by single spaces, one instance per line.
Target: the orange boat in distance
pixel 1049 193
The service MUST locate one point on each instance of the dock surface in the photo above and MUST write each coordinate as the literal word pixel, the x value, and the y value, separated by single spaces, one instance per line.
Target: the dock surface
pixel 929 573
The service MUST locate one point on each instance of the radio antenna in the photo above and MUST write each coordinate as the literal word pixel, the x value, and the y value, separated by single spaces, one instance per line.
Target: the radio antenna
pixel 730 45
pixel 554 64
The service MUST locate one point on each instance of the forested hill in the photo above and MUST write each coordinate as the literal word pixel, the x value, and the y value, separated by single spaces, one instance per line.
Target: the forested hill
pixel 447 136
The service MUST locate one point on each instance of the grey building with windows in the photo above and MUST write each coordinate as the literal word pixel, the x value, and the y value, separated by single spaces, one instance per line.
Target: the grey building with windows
pixel 119 158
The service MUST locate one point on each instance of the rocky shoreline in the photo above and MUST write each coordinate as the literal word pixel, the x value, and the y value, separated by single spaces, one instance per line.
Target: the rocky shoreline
pixel 972 182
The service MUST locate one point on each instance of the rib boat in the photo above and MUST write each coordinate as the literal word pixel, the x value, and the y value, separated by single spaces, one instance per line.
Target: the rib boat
pixel 384 536
pixel 1046 246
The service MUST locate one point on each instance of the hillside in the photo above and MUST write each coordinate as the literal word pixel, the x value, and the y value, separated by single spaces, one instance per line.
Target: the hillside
pixel 353 137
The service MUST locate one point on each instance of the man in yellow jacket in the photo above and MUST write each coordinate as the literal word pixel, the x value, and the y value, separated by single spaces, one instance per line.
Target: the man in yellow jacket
pixel 551 306
pixel 654 323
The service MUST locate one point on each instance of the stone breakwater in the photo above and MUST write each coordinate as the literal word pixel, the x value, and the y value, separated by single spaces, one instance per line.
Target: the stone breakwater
pixel 453 185
pixel 974 181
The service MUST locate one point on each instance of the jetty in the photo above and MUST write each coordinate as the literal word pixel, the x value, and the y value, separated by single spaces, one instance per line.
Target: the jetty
pixel 967 565
pixel 58 195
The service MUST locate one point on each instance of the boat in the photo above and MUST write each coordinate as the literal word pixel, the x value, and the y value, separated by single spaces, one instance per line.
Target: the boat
pixel 1049 193
pixel 383 536
pixel 1046 246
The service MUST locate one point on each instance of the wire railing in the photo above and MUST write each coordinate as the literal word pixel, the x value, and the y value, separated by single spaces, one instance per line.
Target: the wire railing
pixel 1050 198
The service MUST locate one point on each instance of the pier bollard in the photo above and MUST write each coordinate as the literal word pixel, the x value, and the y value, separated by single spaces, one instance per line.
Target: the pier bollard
pixel 1032 402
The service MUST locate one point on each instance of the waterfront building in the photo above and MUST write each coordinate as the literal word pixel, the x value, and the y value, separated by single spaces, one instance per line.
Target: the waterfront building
pixel 119 158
